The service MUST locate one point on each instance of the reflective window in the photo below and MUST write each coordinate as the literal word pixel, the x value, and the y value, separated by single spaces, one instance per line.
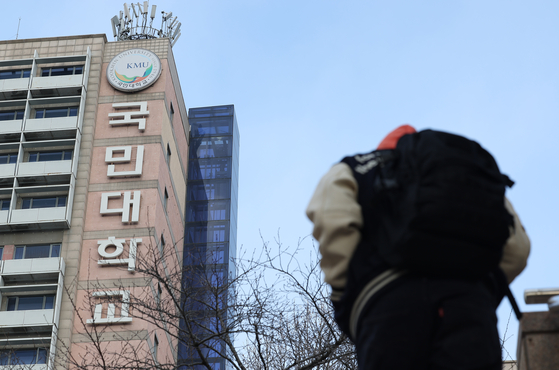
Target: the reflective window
pixel 211 127
pixel 208 211
pixel 31 302
pixel 211 147
pixel 207 233
pixel 61 71
pixel 8 158
pixel 15 73
pixel 217 168
pixel 207 254
pixel 37 251
pixel 4 204
pixel 10 115
pixel 56 112
pixel 217 189
pixel 23 356
pixel 56 155
pixel 44 202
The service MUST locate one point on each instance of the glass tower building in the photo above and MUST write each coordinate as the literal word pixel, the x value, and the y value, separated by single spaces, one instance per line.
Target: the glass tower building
pixel 211 225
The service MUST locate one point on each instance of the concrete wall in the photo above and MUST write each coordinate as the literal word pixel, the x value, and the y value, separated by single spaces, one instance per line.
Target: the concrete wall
pixel 538 341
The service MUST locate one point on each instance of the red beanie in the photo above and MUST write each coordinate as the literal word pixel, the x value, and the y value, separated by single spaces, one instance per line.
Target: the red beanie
pixel 390 141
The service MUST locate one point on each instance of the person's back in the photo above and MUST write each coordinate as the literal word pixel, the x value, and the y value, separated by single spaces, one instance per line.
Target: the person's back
pixel 398 317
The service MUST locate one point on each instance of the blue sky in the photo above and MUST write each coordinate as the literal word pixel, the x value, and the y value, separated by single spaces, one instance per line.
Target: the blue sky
pixel 313 81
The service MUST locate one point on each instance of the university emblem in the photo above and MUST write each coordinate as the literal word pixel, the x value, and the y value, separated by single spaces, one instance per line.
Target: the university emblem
pixel 133 70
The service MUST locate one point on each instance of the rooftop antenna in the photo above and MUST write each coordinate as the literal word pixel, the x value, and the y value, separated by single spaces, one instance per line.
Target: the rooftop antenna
pixel 18 23
pixel 135 22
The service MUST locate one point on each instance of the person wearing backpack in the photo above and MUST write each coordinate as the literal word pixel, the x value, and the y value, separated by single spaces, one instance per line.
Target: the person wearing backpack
pixel 419 244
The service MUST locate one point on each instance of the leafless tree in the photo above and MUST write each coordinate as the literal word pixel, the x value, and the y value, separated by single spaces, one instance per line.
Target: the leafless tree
pixel 268 311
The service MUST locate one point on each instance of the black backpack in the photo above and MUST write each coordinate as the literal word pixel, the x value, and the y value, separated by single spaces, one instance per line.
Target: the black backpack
pixel 434 205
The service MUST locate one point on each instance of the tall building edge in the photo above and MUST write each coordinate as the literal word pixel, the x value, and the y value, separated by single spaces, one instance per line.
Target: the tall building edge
pixel 93 180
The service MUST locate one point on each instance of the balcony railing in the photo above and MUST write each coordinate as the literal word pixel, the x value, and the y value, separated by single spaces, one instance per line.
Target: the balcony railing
pixel 7 127
pixel 14 84
pixel 33 266
pixel 43 168
pixel 56 81
pixel 39 215
pixel 7 170
pixel 10 319
pixel 48 124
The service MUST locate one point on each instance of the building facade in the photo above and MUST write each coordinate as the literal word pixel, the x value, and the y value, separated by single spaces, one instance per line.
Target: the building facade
pixel 211 226
pixel 94 142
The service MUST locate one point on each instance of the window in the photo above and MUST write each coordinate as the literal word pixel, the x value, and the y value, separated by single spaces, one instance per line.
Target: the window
pixel 162 244
pixel 37 251
pixel 214 210
pixel 1 252
pixel 216 278
pixel 159 293
pixel 207 233
pixel 211 127
pixel 56 112
pixel 165 199
pixel 155 346
pixel 218 189
pixel 61 71
pixel 215 168
pixel 168 155
pixel 11 115
pixel 8 158
pixel 56 155
pixel 171 112
pixel 217 256
pixel 43 202
pixel 23 356
pixel 211 147
pixel 15 73
pixel 4 204
pixel 31 302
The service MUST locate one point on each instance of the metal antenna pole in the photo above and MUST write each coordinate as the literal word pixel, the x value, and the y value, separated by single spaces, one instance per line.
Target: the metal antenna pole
pixel 18 23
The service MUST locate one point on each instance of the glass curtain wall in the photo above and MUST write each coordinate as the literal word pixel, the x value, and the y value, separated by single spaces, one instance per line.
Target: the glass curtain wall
pixel 211 227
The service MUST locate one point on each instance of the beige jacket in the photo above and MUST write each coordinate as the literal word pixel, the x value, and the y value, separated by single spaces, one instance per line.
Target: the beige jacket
pixel 337 219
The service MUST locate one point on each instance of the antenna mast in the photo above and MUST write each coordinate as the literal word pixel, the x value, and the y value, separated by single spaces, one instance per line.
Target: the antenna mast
pixel 18 23
pixel 132 24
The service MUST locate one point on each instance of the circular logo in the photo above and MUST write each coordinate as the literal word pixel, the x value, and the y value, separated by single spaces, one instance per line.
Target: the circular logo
pixel 133 70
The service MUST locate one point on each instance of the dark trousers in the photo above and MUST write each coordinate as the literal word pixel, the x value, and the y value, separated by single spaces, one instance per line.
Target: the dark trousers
pixel 430 324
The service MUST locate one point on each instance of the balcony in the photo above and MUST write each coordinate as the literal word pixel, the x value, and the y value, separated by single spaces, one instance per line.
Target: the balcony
pixel 43 168
pixel 27 367
pixel 54 82
pixel 14 84
pixel 51 214
pixel 7 170
pixel 33 318
pixel 31 266
pixel 8 127
pixel 51 124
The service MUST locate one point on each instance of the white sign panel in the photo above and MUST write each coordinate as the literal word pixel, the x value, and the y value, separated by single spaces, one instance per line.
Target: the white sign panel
pixel 127 202
pixel 137 117
pixel 125 158
pixel 118 244
pixel 111 317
